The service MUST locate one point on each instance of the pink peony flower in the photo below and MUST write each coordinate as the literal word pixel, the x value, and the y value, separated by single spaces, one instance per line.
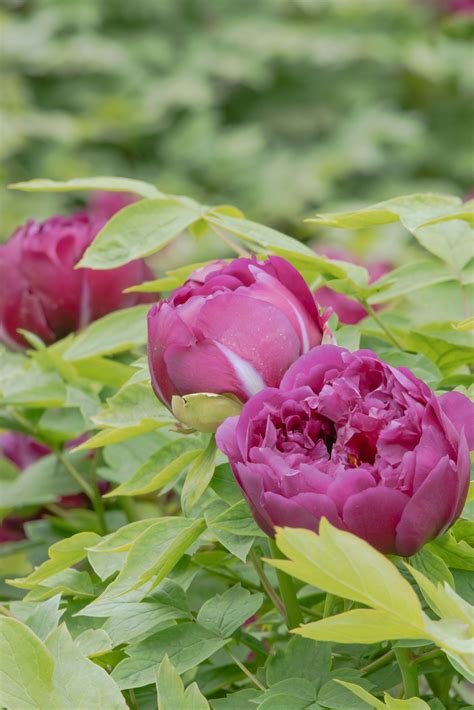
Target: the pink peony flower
pixel 231 328
pixel 352 439
pixel 41 291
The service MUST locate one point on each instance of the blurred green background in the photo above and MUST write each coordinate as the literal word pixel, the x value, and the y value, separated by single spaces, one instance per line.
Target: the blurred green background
pixel 279 106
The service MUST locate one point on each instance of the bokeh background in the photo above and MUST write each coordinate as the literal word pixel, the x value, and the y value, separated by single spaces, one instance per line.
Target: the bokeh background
pixel 282 107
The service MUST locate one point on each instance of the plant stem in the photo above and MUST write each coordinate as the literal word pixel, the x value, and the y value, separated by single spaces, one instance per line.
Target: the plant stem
pixel 379 663
pixel 91 492
pixel 245 670
pixel 409 673
pixel 272 595
pixel 294 616
pixel 328 605
pixel 435 653
pixel 382 325
pixel 240 251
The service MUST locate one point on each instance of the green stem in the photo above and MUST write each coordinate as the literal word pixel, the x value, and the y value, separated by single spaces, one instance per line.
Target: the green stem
pixel 379 321
pixel 328 605
pixel 379 663
pixel 245 670
pixel 294 616
pixel 409 673
pixel 272 595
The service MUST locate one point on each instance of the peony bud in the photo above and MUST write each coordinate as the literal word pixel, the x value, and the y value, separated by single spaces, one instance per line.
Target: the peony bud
pixel 41 291
pixel 231 329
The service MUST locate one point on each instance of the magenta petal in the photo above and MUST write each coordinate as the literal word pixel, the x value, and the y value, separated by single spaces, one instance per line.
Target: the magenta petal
pixel 349 483
pixel 203 367
pixel 460 410
pixel 164 325
pixel 254 330
pixel 251 484
pixel 464 473
pixel 430 509
pixel 322 357
pixel 226 438
pixel 283 512
pixel 320 506
pixel 374 515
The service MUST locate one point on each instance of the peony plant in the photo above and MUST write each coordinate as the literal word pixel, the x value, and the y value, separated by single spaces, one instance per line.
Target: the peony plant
pixel 271 502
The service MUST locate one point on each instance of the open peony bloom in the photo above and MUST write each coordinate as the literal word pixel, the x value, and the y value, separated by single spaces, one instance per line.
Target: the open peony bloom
pixel 41 291
pixel 231 328
pixel 351 439
pixel 348 310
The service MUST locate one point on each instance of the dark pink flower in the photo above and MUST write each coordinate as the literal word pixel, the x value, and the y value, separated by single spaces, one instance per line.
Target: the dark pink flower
pixel 41 291
pixel 231 328
pixel 365 445
pixel 347 309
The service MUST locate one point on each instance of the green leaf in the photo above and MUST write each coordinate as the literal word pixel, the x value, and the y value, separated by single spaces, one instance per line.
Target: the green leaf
pixel 114 333
pixel 205 412
pixel 235 529
pixel 69 582
pixel 169 686
pixel 134 410
pixel 93 642
pixel 432 566
pixel 336 694
pixel 194 699
pixel 369 578
pixel 173 279
pixel 171 693
pixel 259 235
pixel 162 468
pixel 113 184
pixel 450 241
pixel 241 700
pixel 104 370
pixel 289 694
pixel 80 682
pixel 139 230
pixel 199 477
pixel 42 482
pixel 42 618
pixel 455 553
pixel 186 645
pixel 410 278
pixel 299 658
pixel 27 667
pixel 391 703
pixel 226 612
pixel 412 211
pixel 362 626
pixel 63 554
pixel 154 553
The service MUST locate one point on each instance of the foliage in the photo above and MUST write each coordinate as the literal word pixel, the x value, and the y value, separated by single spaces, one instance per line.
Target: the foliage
pixel 226 100
pixel 163 591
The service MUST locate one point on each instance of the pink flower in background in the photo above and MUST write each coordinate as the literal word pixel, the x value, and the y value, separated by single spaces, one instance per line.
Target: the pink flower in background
pixel 352 439
pixel 23 451
pixel 41 291
pixel 231 328
pixel 461 7
pixel 104 204
pixel 347 309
